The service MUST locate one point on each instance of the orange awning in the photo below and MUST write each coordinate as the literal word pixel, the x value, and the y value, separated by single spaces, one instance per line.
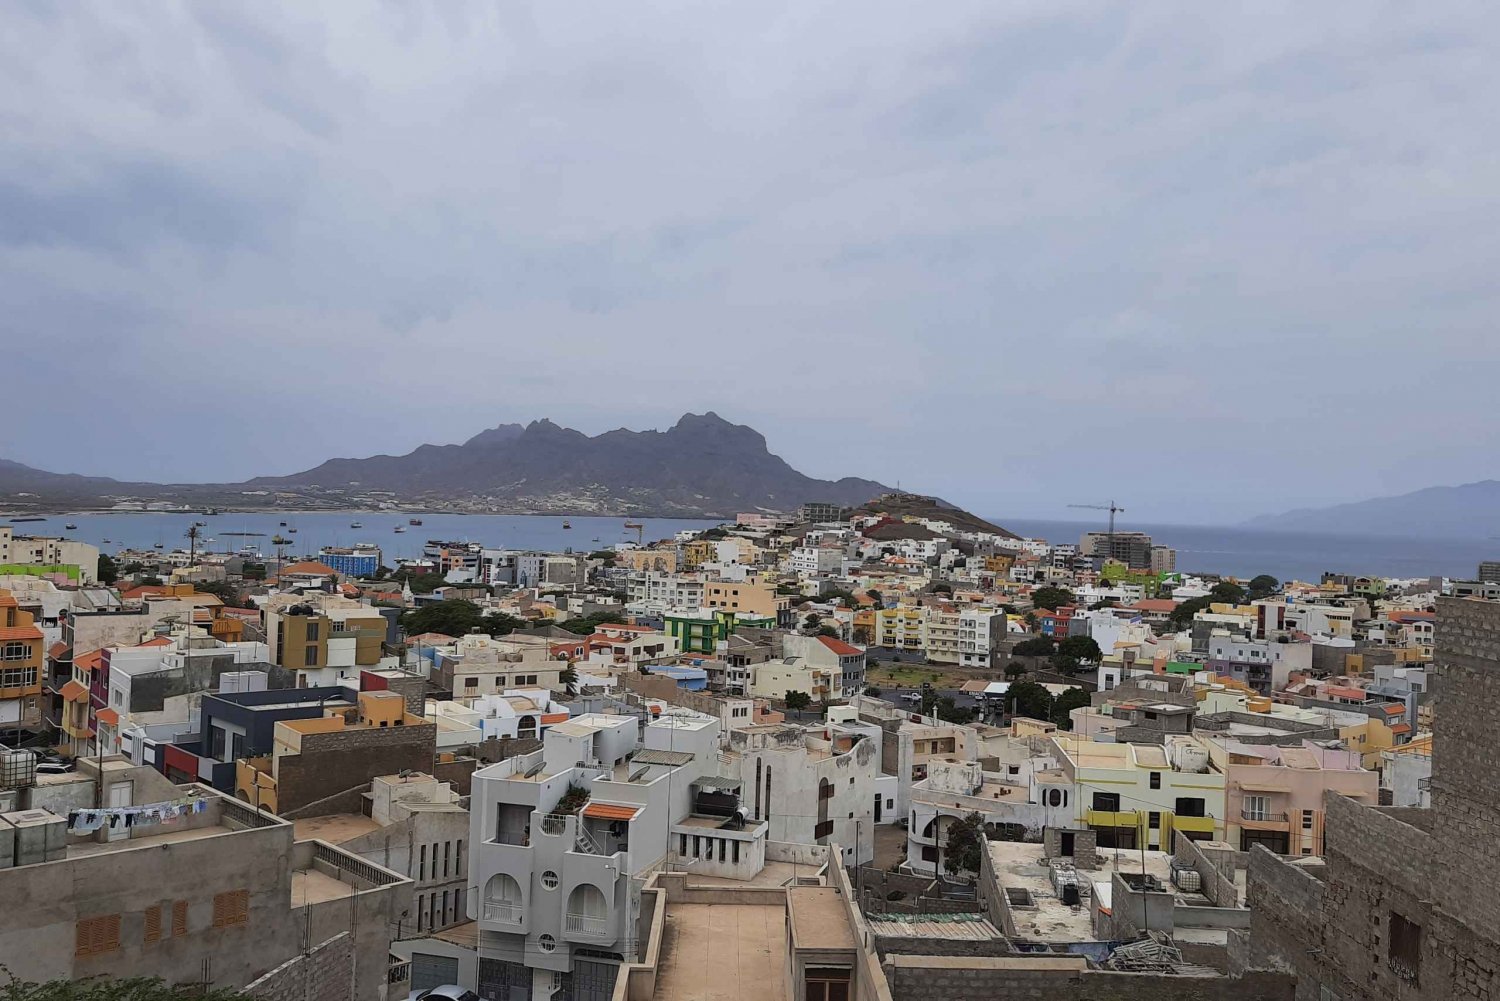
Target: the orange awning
pixel 74 692
pixel 609 811
pixel 108 717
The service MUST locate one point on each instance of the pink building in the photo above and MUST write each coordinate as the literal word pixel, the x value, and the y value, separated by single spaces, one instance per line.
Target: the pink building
pixel 1274 795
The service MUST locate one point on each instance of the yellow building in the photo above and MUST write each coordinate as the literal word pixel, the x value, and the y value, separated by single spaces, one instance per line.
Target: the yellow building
pixel 901 628
pixel 1136 795
pixel 698 552
pixel 757 598
pixel 20 664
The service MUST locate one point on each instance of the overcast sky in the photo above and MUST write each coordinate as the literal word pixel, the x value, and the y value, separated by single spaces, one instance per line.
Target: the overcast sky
pixel 1209 263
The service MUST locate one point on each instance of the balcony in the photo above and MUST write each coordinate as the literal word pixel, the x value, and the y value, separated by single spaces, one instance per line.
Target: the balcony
pixel 502 912
pixel 1264 819
pixel 1194 825
pixel 1112 818
pixel 586 926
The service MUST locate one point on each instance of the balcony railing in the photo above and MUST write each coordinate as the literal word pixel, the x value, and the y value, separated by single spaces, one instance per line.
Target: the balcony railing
pixel 502 912
pixel 585 924
pixel 398 972
pixel 1263 816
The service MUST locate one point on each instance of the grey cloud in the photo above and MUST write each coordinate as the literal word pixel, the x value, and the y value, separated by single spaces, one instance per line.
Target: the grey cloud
pixel 1030 232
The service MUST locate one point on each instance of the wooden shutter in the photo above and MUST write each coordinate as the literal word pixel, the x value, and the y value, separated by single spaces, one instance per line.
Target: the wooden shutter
pixel 179 917
pixel 231 907
pixel 153 923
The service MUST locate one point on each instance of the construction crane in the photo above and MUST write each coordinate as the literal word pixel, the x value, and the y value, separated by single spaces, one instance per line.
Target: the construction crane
pixel 640 530
pixel 1113 510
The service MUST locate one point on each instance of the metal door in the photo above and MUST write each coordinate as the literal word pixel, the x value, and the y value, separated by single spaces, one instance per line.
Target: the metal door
pixel 432 971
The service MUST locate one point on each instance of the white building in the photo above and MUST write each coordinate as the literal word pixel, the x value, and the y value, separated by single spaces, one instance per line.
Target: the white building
pixel 980 631
pixel 816 561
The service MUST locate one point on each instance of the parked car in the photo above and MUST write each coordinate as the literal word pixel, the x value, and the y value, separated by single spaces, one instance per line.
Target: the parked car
pixel 54 767
pixel 912 697
pixel 443 992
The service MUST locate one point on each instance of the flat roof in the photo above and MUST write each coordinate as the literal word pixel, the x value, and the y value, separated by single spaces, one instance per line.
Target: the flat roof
pixel 724 952
pixel 1020 864
pixel 309 886
pixel 334 828
pixel 819 917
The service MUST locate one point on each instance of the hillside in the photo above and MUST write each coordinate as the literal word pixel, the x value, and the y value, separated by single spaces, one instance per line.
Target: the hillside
pixel 1468 511
pixel 703 466
pixel 905 505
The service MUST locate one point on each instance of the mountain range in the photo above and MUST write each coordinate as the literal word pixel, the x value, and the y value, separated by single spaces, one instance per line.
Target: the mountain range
pixel 1471 510
pixel 703 466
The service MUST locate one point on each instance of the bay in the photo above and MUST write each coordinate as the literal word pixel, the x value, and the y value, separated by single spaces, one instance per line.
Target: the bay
pixel 314 530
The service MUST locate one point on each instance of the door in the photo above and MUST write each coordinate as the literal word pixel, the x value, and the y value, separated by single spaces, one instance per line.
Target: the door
pixel 432 971
pixel 593 981
pixel 120 794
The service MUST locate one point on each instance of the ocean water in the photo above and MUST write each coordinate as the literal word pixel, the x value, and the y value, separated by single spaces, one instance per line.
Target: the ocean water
pixel 143 530
pixel 1245 552
pixel 1240 551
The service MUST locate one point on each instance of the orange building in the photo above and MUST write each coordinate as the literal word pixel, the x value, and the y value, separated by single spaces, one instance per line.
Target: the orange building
pixel 20 666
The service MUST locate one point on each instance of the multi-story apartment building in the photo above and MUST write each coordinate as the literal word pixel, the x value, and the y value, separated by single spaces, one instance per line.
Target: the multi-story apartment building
pixel 816 561
pixel 1274 795
pixel 755 597
pixel 843 662
pixel 942 641
pixel 1130 548
pixel 819 512
pixel 651 592
pixel 362 560
pixel 561 837
pixel 1263 664
pixel 980 633
pixel 20 667
pixel 902 628
pixel 76 561
pixel 447 557
pixel 323 637
pixel 1143 795
pixel 812 785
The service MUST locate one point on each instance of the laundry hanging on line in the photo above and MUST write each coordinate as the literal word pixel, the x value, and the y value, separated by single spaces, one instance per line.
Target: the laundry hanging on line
pixel 118 817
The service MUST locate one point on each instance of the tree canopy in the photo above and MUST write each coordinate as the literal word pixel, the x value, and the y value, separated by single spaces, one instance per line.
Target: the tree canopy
pixel 1182 615
pixel 965 843
pixel 1065 703
pixel 454 617
pixel 1029 699
pixel 1228 592
pixel 583 625
pixel 797 701
pixel 1052 598
pixel 1263 586
pixel 109 571
pixel 1035 646
pixel 1083 649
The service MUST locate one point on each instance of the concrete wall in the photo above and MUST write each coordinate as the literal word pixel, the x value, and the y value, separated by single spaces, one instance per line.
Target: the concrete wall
pixel 333 762
pixel 324 974
pixel 939 978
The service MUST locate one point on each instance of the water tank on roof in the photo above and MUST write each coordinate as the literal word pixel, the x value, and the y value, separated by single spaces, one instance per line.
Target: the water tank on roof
pixel 1192 758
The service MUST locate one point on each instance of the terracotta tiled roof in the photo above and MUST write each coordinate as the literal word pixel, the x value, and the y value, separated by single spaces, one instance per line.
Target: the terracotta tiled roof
pixel 74 692
pixel 57 650
pixel 89 660
pixel 108 717
pixel 310 568
pixel 157 641
pixel 20 633
pixel 839 647
pixel 609 811
pixel 550 718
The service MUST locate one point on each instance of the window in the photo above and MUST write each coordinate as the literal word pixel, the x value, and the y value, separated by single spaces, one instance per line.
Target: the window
pixel 1307 820
pixel 15 651
pixel 1153 820
pixel 1109 801
pixel 421 911
pixel 458 857
pixel 95 936
pixel 473 682
pixel 1257 808
pixel 1189 806
pixel 827 984
pixel 310 659
pixel 549 880
pixel 231 908
pixel 17 677
pixel 444 912
pixel 153 923
pixel 1404 947
pixel 421 862
pixel 447 856
pixel 179 917
pixel 1156 780
pixel 546 943
pixel 312 632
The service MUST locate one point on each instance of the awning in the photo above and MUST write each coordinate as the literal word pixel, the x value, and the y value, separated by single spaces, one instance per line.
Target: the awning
pixel 108 717
pixel 610 811
pixel 1263 787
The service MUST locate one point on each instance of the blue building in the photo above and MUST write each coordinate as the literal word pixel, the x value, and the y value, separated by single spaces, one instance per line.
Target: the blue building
pixel 361 561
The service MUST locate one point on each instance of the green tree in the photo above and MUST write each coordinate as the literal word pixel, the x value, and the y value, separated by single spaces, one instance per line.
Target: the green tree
pixel 941 587
pixel 1065 703
pixel 953 712
pixel 420 583
pixel 501 624
pixel 965 844
pixel 1014 670
pixel 1035 646
pixel 132 567
pixel 872 691
pixel 1029 699
pixel 221 589
pixel 876 597
pixel 1052 598
pixel 151 580
pixel 253 571
pixel 1228 592
pixel 841 594
pixel 1263 586
pixel 453 617
pixel 813 621
pixel 569 678
pixel 828 631
pixel 607 555
pixel 583 625
pixel 109 571
pixel 797 701
pixel 1182 615
pixel 1081 648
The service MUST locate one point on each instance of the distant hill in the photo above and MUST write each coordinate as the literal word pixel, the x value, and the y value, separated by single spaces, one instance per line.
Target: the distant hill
pixel 904 505
pixel 703 466
pixel 1468 511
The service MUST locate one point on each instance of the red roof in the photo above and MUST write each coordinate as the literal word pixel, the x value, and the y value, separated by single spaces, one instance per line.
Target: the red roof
pixel 309 568
pixel 57 650
pixel 1153 605
pixel 141 591
pixel 73 692
pixel 839 647
pixel 89 660
pixel 1337 692
pixel 157 641
pixel 610 811
pixel 20 633
pixel 107 716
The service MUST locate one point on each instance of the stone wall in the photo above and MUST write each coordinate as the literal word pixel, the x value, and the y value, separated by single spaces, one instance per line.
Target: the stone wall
pixel 918 894
pixel 324 974
pixel 1215 867
pixel 331 763
pixel 1085 846
pixel 939 978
